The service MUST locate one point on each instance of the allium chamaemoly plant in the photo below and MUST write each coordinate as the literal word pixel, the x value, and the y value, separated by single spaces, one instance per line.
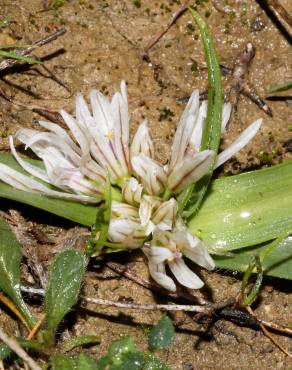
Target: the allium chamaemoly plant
pixel 145 205
pixel 147 214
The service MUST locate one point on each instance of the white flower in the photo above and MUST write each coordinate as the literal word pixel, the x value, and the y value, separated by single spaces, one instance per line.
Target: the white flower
pixel 76 166
pixel 187 163
pixel 169 248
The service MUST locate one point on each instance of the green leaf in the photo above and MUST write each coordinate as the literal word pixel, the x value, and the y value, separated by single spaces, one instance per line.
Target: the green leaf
pixel 161 335
pixel 191 198
pixel 14 55
pixel 253 294
pixel 152 362
pixel 80 341
pixel 63 287
pixel 116 353
pixel 247 209
pixel 10 257
pixel 62 362
pixel 133 361
pixel 277 263
pixel 280 87
pixel 84 362
pixel 5 351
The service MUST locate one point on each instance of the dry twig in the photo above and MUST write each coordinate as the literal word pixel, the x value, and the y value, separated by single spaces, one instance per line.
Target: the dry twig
pixel 269 335
pixel 281 14
pixel 154 40
pixel 52 116
pixel 11 343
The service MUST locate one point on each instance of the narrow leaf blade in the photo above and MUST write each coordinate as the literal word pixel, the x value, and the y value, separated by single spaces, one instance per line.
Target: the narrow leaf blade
pixel 192 197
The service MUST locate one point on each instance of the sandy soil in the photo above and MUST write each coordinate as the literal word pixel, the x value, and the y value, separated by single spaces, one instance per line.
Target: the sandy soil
pixel 103 45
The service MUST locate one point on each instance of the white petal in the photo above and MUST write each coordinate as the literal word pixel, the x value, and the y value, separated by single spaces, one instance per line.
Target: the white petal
pixel 124 210
pixel 145 210
pixel 184 275
pixel 194 249
pixel 184 130
pixel 101 112
pixel 39 141
pixel 164 216
pixel 132 191
pixel 226 112
pixel 127 232
pixel 244 138
pixel 78 131
pixel 71 179
pixel 124 92
pixel 83 115
pixel 33 170
pixel 120 139
pixel 158 274
pixel 103 153
pixel 22 182
pixel 142 142
pixel 158 254
pixel 94 172
pixel 200 256
pixel 59 131
pixel 121 131
pixel 190 170
pixel 151 174
pixel 196 138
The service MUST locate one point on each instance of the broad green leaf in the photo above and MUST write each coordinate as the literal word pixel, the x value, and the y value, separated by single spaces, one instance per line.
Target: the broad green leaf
pixel 277 263
pixel 247 209
pixel 133 361
pixel 191 198
pixel 80 341
pixel 161 335
pixel 5 351
pixel 84 362
pixel 62 362
pixel 119 348
pixel 154 363
pixel 63 288
pixel 10 257
pixel 116 353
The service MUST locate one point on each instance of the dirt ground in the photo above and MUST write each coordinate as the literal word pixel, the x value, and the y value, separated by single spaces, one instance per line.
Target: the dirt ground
pixel 103 44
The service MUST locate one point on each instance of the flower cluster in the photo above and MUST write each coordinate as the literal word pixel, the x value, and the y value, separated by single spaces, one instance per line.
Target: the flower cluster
pixel 76 165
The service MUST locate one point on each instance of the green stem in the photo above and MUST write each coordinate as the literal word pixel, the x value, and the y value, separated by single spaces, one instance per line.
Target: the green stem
pixel 167 194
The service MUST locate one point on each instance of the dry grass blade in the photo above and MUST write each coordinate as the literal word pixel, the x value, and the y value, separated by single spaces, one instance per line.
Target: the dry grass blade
pixel 7 63
pixel 8 303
